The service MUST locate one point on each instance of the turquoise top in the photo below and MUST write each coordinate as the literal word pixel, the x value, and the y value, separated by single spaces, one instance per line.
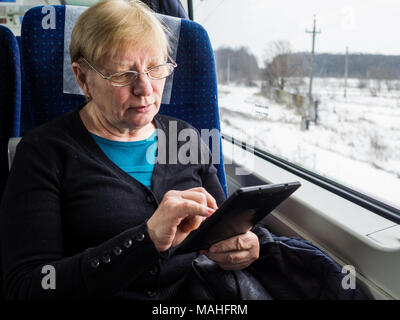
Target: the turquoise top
pixel 136 158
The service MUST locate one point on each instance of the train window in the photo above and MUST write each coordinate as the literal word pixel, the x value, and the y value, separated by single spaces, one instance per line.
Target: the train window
pixel 314 83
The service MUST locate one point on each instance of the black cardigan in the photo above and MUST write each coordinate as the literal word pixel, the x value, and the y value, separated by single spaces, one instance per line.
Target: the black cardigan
pixel 69 206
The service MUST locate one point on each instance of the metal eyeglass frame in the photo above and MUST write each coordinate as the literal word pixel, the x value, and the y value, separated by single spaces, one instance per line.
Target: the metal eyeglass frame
pixel 171 65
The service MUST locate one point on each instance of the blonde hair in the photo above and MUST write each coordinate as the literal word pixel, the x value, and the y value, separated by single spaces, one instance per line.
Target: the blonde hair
pixel 113 25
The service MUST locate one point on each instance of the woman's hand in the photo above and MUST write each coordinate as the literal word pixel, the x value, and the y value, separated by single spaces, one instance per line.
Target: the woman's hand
pixel 235 253
pixel 178 214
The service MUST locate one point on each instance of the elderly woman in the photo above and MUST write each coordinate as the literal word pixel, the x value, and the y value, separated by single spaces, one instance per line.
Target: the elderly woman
pixel 88 211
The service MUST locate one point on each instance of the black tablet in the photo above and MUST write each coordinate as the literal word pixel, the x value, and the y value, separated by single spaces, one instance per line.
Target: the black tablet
pixel 239 213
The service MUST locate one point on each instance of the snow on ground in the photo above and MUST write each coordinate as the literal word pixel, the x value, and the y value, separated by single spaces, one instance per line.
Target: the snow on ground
pixel 356 141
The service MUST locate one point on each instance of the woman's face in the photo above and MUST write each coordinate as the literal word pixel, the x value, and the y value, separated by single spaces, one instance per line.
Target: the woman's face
pixel 133 106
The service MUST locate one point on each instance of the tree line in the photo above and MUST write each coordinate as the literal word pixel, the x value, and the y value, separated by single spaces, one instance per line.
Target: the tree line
pixel 280 64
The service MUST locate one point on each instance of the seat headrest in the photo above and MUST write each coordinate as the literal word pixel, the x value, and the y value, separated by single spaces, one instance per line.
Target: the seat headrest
pixel 71 15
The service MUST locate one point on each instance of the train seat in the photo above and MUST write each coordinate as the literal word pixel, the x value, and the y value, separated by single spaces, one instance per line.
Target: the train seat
pixel 10 96
pixel 10 101
pixel 190 94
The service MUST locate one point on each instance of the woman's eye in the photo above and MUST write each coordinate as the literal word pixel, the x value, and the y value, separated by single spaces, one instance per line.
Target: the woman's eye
pixel 123 78
pixel 159 72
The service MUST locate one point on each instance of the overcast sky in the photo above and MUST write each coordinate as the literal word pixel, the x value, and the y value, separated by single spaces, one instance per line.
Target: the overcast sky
pixel 368 26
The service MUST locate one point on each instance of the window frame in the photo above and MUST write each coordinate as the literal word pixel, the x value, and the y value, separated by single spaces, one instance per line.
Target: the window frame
pixel 188 6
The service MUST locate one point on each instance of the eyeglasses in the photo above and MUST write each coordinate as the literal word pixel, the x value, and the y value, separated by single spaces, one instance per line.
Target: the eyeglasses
pixel 125 78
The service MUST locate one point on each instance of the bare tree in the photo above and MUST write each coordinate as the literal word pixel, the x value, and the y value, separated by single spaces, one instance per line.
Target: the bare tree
pixel 280 63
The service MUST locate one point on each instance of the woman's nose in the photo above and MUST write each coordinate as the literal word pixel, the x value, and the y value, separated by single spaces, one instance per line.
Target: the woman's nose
pixel 142 86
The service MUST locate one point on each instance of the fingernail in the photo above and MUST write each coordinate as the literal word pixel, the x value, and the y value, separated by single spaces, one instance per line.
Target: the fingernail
pixel 214 249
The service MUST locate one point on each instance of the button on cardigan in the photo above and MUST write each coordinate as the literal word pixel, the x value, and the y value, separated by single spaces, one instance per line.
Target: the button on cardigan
pixel 68 206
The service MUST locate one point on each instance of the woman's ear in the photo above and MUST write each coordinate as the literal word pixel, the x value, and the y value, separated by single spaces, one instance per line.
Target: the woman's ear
pixel 81 78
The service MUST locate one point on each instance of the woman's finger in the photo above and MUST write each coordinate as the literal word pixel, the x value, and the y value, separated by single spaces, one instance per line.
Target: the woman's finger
pixel 234 258
pixel 196 196
pixel 211 202
pixel 237 243
pixel 190 223
pixel 192 208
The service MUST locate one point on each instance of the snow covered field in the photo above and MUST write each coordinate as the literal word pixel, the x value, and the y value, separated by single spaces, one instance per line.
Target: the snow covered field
pixel 356 141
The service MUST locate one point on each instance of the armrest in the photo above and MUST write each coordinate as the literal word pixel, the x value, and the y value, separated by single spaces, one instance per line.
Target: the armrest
pixel 12 147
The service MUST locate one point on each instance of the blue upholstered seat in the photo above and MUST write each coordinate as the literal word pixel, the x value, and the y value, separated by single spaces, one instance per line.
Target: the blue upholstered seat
pixel 193 96
pixel 10 96
pixel 42 58
pixel 10 103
